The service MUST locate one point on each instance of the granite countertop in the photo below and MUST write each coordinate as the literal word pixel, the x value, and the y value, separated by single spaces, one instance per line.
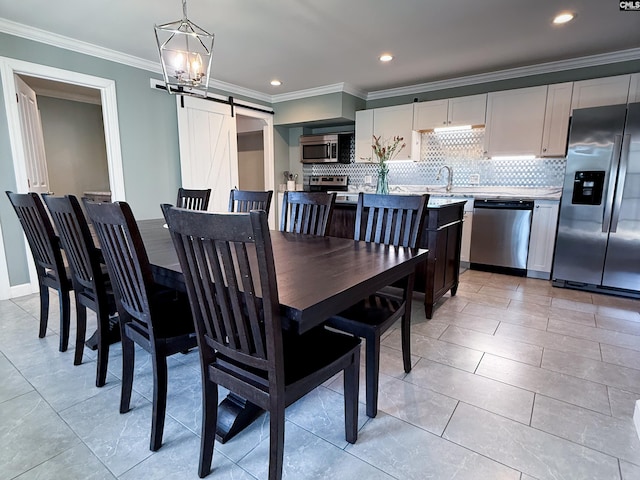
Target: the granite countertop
pixel 467 192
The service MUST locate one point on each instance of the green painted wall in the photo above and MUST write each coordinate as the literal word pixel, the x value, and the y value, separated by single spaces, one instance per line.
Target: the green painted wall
pixel 148 135
pixel 334 108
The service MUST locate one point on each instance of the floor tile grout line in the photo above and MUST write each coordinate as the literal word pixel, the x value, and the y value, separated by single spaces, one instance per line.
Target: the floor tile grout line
pixel 539 430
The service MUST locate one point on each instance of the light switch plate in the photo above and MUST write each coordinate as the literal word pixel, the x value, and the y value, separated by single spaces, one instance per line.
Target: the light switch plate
pixel 368 179
pixel 474 178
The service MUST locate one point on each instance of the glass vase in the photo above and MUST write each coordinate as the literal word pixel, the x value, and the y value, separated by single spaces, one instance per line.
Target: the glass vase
pixel 382 187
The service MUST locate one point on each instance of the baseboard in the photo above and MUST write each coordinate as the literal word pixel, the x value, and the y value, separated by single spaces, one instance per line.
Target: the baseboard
pixel 538 274
pixel 22 290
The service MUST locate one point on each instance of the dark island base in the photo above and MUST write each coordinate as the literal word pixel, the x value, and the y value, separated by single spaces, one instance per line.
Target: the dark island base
pixel 442 236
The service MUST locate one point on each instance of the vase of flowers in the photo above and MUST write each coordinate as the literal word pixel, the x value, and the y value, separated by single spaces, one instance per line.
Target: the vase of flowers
pixel 385 151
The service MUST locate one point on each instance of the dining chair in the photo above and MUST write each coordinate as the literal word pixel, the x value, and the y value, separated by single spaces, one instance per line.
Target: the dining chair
pixel 228 263
pixel 395 220
pixel 307 212
pixel 193 199
pixel 247 200
pixel 90 280
pixel 48 259
pixel 156 318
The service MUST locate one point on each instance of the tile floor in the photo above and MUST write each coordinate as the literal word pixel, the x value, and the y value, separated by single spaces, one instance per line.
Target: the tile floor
pixel 511 379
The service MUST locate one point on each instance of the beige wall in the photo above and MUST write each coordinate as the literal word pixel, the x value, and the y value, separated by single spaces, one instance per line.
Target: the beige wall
pixel 74 146
pixel 250 161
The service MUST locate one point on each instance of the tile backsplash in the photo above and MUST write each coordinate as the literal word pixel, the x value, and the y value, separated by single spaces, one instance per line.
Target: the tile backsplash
pixel 463 152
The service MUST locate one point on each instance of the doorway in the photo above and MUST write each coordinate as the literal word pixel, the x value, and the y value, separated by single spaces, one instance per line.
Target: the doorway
pixel 67 128
pixel 9 68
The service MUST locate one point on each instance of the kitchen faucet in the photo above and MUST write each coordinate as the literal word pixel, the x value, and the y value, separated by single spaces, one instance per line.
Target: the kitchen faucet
pixel 449 176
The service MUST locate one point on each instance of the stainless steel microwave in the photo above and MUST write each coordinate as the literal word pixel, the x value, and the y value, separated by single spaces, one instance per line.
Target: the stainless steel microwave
pixel 329 148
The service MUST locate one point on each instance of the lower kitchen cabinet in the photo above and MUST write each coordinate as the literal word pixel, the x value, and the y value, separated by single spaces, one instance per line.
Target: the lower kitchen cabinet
pixel 542 241
pixel 442 235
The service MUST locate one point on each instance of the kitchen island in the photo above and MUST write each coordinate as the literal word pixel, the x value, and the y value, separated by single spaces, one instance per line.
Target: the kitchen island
pixel 441 235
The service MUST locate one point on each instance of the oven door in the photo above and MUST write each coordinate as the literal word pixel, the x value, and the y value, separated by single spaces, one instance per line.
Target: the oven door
pixel 319 152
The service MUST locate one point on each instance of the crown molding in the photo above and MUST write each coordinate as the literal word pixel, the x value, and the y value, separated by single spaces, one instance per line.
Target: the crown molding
pixel 324 90
pixel 74 45
pixel 72 96
pixel 238 90
pixel 508 74
pixel 42 36
pixel 67 43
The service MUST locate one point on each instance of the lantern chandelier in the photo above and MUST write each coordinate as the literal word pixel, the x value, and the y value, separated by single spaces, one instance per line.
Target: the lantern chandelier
pixel 185 51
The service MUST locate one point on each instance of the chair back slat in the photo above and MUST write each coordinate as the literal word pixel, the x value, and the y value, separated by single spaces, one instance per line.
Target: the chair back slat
pixel 230 275
pixel 75 236
pixel 193 199
pixel 307 212
pixel 39 231
pixel 390 219
pixel 246 200
pixel 126 259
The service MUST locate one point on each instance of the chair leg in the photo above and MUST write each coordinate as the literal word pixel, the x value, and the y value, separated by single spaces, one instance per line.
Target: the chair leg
pixel 276 440
pixel 103 348
pixel 128 362
pixel 159 400
pixel 44 310
pixel 372 368
pixel 351 385
pixel 81 331
pixel 65 317
pixel 405 331
pixel 209 423
pixel 405 325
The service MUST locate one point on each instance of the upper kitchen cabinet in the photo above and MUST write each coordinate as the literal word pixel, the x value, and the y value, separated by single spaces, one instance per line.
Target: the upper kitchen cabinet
pixel 515 121
pixel 364 133
pixel 386 122
pixel 450 112
pixel 600 91
pixel 634 88
pixel 556 120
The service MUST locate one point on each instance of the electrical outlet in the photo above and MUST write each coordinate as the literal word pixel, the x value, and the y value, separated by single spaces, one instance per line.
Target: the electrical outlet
pixel 368 179
pixel 474 178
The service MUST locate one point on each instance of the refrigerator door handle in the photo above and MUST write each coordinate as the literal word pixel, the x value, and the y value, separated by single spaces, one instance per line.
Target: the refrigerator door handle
pixel 622 175
pixel 611 188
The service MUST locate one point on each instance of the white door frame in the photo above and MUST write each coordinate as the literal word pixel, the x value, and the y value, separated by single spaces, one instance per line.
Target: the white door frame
pixel 10 67
pixel 269 159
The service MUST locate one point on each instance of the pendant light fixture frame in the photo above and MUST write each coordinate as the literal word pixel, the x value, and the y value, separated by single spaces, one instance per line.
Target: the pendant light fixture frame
pixel 186 52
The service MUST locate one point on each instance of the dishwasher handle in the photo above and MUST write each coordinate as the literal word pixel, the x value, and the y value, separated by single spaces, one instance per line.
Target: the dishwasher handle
pixel 504 204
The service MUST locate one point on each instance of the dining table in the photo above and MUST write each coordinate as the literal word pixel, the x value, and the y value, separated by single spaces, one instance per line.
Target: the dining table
pixel 317 277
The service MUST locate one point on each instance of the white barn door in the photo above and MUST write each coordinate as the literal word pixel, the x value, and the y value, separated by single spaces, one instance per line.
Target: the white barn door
pixel 208 148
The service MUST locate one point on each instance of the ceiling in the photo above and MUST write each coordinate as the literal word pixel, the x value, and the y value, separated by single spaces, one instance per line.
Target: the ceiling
pixel 309 44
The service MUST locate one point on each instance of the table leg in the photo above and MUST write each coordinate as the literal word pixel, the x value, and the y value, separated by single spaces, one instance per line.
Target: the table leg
pixel 234 415
pixel 113 334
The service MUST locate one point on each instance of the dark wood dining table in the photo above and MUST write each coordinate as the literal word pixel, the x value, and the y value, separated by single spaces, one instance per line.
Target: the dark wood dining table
pixel 317 277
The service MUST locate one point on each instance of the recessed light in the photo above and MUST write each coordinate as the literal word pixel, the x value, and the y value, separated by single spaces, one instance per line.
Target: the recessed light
pixel 563 17
pixel 276 83
pixel 386 57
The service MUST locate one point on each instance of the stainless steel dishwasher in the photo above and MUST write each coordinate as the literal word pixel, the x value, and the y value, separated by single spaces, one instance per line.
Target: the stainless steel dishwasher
pixel 500 235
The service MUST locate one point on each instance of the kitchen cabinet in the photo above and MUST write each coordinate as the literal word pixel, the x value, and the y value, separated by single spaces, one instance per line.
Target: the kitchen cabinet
pixel 515 121
pixel 467 226
pixel 441 235
pixel 364 134
pixel 556 120
pixel 452 112
pixel 634 88
pixel 542 241
pixel 386 122
pixel 600 91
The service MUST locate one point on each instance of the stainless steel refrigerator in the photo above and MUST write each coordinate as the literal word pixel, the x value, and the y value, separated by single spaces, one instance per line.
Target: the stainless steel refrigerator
pixel 598 242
